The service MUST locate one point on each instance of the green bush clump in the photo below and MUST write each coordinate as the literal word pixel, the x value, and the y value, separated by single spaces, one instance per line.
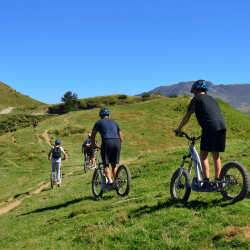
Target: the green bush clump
pixel 186 95
pixel 91 100
pixel 83 104
pixel 146 95
pixel 173 96
pixel 144 99
pixel 122 97
pixel 66 131
pixel 112 103
pixel 32 108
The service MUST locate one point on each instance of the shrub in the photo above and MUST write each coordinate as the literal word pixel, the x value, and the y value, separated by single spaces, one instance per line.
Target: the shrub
pixel 146 95
pixel 83 104
pixel 112 103
pixel 186 95
pixel 91 100
pixel 144 99
pixel 32 108
pixel 122 97
pixel 173 96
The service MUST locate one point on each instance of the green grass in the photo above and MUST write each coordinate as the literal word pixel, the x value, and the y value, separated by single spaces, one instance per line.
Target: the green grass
pixel 10 97
pixel 70 218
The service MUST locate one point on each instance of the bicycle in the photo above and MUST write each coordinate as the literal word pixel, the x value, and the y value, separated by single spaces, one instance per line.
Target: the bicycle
pixel 87 166
pixel 53 180
pixel 121 184
pixel 233 183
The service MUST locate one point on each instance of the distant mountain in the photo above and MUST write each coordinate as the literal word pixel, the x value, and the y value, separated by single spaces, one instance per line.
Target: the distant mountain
pixel 10 97
pixel 237 95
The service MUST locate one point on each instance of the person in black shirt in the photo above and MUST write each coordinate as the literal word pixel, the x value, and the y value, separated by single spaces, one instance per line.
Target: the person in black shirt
pixel 213 126
pixel 111 143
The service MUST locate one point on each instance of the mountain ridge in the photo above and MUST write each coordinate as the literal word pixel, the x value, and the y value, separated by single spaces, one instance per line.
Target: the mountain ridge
pixel 237 95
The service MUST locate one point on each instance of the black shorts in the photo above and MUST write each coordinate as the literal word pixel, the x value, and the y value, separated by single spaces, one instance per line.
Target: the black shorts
pixel 110 151
pixel 90 152
pixel 214 142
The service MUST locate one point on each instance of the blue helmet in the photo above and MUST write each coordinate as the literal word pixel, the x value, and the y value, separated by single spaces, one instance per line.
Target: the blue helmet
pixel 57 142
pixel 200 84
pixel 104 111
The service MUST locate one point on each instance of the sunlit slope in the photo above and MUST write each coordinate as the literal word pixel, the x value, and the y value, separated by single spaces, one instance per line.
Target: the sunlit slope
pixel 149 220
pixel 10 97
pixel 146 127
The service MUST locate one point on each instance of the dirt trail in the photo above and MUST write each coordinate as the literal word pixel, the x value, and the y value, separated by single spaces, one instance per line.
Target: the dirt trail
pixel 7 111
pixel 46 137
pixel 67 119
pixel 18 202
pixel 14 204
pixel 13 139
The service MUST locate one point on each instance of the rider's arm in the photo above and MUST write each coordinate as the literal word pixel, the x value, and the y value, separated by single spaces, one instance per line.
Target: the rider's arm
pixel 65 156
pixel 49 156
pixel 92 138
pixel 120 135
pixel 184 121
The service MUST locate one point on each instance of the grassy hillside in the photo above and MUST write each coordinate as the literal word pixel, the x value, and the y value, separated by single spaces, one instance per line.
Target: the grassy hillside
pixel 10 97
pixel 70 218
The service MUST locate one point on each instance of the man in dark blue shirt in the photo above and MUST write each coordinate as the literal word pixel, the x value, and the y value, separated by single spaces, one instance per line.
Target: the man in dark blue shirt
pixel 212 122
pixel 111 143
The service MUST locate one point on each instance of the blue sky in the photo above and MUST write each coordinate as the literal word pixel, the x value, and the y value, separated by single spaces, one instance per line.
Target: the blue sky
pixel 105 47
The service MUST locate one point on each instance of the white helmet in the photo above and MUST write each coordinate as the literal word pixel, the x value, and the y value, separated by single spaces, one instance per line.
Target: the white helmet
pixel 89 135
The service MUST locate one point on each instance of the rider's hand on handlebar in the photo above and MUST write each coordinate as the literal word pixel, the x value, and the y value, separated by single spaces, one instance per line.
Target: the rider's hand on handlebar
pixel 178 132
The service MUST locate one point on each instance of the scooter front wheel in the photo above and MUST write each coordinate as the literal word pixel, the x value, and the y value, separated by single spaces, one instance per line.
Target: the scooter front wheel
pixel 183 189
pixel 96 184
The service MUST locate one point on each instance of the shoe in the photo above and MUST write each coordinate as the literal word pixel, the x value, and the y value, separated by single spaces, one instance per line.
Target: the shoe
pixel 206 187
pixel 215 187
pixel 109 186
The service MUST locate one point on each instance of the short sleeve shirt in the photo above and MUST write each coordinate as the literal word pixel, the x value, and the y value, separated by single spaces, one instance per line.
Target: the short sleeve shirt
pixel 56 159
pixel 108 128
pixel 208 113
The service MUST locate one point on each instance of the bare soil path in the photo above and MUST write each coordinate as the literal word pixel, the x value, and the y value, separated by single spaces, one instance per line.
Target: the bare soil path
pixel 7 111
pixel 46 137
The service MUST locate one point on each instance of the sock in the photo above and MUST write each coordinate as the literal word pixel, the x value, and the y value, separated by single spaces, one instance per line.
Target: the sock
pixel 217 179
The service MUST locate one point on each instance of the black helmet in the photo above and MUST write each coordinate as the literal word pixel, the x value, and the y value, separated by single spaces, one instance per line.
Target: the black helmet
pixel 104 111
pixel 200 84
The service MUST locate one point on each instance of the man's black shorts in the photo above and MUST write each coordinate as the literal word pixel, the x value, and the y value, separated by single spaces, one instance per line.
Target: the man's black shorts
pixel 214 142
pixel 110 151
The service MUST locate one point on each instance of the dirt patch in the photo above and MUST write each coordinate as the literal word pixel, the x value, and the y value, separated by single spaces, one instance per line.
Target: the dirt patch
pixel 7 111
pixel 70 173
pixel 238 230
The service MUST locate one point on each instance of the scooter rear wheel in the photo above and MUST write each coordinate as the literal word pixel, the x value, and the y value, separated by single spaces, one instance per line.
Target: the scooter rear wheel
pixel 238 176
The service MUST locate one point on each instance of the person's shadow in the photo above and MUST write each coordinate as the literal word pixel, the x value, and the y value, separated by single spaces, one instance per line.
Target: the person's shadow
pixel 192 205
pixel 66 204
